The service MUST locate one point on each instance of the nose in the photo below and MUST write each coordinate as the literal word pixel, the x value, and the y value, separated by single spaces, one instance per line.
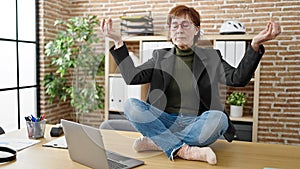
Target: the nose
pixel 179 29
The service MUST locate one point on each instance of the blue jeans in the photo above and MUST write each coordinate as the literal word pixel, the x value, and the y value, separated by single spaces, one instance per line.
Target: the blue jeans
pixel 171 131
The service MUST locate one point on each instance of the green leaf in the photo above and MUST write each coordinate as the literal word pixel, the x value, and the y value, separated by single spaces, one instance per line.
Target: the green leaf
pixel 73 48
pixel 236 98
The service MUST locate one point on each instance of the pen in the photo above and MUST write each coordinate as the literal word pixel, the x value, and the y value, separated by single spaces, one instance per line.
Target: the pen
pixel 33 119
pixel 27 118
pixel 42 117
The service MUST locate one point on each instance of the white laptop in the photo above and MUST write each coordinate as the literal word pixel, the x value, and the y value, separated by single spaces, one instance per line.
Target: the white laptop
pixel 85 146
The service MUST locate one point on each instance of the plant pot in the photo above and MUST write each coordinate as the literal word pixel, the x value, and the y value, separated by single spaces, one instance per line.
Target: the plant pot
pixel 236 111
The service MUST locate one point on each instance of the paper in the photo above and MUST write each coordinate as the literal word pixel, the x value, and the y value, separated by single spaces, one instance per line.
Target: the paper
pixel 17 144
pixel 57 143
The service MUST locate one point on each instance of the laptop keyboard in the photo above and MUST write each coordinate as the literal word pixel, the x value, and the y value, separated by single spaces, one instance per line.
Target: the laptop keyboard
pixel 115 157
pixel 115 165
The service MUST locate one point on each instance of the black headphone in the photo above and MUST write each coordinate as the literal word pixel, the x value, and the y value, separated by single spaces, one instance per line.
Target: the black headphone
pixel 8 158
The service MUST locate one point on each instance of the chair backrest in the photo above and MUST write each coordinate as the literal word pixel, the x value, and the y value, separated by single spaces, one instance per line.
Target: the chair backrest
pixel 1 131
pixel 117 124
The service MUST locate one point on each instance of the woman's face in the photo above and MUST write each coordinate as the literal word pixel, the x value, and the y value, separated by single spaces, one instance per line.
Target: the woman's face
pixel 182 31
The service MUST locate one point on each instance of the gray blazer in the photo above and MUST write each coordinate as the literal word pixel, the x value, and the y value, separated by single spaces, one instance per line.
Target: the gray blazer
pixel 209 70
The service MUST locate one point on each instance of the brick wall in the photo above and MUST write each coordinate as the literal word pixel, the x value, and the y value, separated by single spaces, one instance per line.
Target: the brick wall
pixel 279 109
pixel 49 11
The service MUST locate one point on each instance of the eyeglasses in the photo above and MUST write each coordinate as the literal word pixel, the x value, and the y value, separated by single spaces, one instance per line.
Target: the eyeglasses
pixel 186 25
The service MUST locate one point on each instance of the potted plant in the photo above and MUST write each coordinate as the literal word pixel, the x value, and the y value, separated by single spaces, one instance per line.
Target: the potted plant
pixel 77 63
pixel 236 100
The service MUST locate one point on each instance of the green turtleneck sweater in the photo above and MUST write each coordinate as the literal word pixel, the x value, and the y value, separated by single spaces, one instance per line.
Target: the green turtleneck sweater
pixel 181 95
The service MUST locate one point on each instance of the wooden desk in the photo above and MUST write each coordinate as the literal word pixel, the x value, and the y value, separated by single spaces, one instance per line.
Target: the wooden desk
pixel 236 155
pixel 38 157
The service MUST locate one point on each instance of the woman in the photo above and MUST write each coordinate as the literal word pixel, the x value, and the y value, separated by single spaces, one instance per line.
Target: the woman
pixel 183 113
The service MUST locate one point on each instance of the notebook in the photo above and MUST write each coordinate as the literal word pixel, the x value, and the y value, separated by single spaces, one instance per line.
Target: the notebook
pixel 57 143
pixel 17 144
pixel 85 146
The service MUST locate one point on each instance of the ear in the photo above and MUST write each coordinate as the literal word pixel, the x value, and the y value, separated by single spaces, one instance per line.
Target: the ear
pixel 197 30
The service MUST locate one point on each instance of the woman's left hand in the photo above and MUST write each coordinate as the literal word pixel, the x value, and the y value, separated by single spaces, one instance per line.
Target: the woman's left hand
pixel 271 31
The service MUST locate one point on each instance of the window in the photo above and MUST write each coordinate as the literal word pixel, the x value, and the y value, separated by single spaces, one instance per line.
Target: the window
pixel 18 62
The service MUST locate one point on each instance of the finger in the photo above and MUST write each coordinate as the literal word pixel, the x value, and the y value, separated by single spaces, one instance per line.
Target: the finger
pixel 102 24
pixel 109 24
pixel 277 29
pixel 269 28
pixel 269 25
pixel 273 29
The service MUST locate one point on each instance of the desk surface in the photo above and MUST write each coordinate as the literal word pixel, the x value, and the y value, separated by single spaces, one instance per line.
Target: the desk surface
pixel 236 155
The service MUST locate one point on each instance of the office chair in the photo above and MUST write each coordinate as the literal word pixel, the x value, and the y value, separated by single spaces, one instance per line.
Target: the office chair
pixel 117 124
pixel 1 131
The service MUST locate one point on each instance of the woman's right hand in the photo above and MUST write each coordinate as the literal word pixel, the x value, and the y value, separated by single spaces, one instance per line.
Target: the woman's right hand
pixel 271 31
pixel 107 30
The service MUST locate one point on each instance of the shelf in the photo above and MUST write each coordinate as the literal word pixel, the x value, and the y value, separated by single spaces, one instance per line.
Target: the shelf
pixel 204 37
pixel 242 119
pixel 116 111
pixel 115 75
pixel 227 37
pixel 144 38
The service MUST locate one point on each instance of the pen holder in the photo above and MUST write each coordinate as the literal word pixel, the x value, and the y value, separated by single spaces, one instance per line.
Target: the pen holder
pixel 36 129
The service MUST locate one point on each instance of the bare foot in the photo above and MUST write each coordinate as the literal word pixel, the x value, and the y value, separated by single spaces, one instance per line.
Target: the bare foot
pixel 197 153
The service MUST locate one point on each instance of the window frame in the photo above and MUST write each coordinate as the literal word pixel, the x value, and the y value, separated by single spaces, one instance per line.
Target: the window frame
pixel 17 41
